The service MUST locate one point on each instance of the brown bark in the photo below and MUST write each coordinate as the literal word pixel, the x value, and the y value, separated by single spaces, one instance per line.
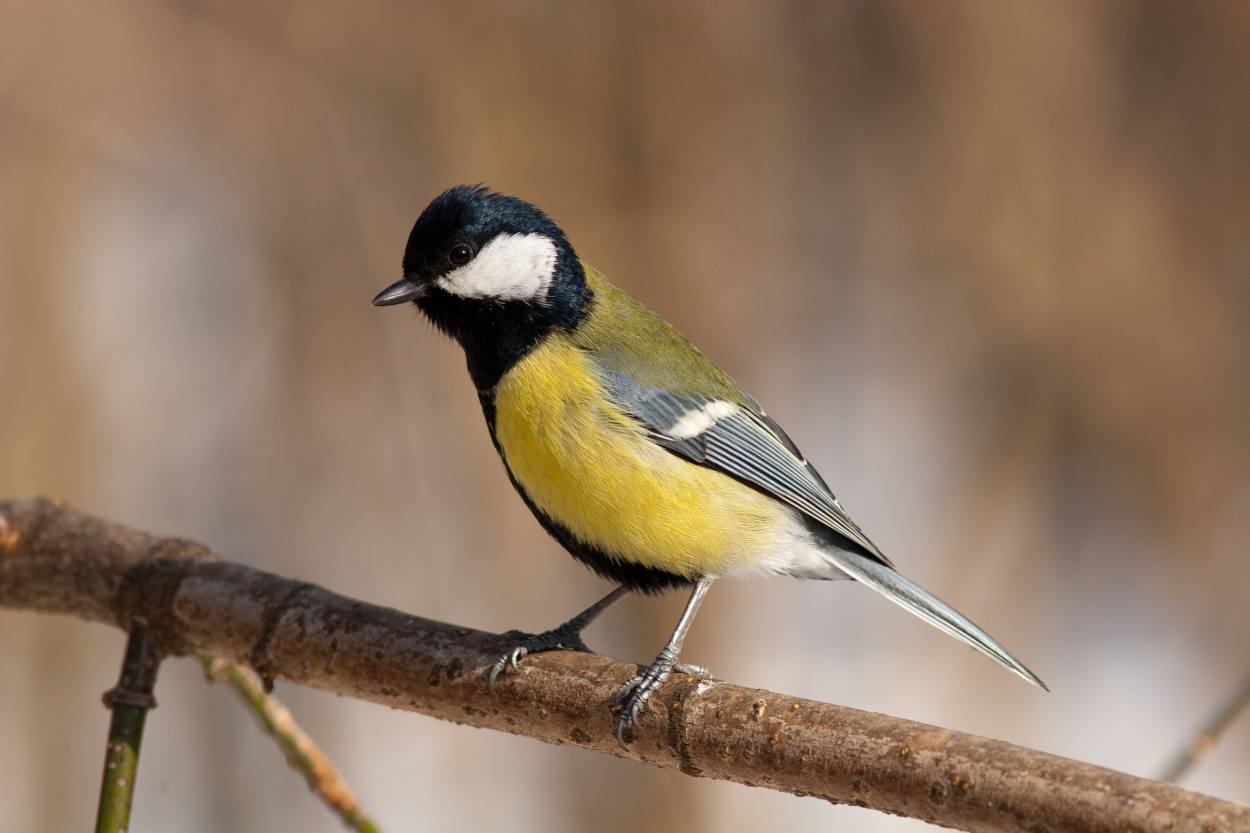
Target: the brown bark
pixel 58 560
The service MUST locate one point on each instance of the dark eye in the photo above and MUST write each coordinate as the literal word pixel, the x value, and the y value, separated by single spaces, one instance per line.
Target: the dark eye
pixel 460 254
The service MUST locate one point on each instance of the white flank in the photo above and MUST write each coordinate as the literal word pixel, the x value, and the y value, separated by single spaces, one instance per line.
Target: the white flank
pixel 511 267
pixel 693 423
pixel 793 553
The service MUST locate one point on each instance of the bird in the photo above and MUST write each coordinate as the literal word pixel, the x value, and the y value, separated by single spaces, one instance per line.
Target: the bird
pixel 635 452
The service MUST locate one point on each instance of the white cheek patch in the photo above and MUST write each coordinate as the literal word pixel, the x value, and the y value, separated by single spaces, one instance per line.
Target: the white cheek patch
pixel 511 267
pixel 693 423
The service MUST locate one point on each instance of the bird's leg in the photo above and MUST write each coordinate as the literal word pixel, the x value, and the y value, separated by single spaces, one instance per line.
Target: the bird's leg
pixel 566 637
pixel 633 695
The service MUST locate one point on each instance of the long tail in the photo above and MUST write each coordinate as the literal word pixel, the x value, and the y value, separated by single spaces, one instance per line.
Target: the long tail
pixel 917 600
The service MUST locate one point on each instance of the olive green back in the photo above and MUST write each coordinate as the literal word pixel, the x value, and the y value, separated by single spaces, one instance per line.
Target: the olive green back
pixel 649 349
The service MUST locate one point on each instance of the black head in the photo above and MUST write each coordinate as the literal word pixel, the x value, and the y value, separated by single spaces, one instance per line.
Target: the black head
pixel 492 271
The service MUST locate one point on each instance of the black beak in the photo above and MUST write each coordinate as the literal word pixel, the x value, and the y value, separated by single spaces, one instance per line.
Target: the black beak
pixel 402 291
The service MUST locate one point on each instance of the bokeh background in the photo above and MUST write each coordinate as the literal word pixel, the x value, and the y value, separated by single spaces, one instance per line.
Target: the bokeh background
pixel 988 262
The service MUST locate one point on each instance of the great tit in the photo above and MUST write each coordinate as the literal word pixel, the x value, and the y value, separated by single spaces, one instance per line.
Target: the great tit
pixel 635 452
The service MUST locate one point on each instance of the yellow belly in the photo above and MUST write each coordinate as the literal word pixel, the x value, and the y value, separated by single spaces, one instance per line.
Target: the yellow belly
pixel 588 466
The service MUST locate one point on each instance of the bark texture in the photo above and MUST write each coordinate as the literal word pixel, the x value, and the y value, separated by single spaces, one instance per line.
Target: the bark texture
pixel 58 560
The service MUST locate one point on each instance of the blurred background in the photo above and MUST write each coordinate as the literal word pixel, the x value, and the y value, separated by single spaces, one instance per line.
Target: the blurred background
pixel 988 263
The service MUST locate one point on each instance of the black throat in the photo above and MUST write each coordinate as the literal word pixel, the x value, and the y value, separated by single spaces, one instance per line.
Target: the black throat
pixel 496 335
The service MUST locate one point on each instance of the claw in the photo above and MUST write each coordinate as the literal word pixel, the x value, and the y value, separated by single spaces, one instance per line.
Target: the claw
pixel 559 639
pixel 495 671
pixel 568 637
pixel 634 694
pixel 626 700
pixel 621 693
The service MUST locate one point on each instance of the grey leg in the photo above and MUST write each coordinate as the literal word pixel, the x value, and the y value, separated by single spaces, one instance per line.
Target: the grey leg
pixel 634 694
pixel 567 637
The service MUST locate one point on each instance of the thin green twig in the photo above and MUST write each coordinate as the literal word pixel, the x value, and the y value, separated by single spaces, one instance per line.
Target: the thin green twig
pixel 301 752
pixel 129 701
pixel 1208 734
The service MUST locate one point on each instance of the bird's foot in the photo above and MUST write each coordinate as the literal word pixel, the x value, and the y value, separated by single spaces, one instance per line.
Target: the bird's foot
pixel 633 695
pixel 563 638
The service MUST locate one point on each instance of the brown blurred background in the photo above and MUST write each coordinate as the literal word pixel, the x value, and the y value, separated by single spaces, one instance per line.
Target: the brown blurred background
pixel 988 262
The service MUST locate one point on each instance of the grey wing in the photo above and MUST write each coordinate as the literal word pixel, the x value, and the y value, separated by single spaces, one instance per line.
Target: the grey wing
pixel 743 443
pixel 738 439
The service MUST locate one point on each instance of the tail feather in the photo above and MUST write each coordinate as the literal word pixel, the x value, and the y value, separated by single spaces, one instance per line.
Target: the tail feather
pixel 917 600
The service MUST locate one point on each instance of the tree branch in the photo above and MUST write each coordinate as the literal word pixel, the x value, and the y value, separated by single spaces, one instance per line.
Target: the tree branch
pixel 129 702
pixel 1208 734
pixel 55 559
pixel 301 752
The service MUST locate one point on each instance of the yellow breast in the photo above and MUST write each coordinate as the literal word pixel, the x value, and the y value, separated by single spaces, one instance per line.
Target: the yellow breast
pixel 589 467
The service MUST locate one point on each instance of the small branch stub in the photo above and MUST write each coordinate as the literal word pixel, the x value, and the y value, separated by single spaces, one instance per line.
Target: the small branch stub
pixel 129 701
